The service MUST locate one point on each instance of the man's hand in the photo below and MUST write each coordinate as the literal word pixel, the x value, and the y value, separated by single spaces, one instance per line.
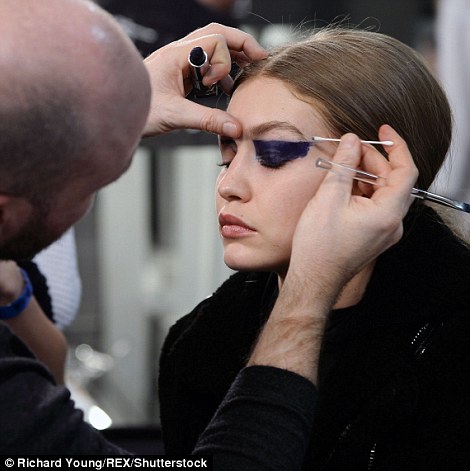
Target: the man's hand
pixel 31 325
pixel 339 233
pixel 170 77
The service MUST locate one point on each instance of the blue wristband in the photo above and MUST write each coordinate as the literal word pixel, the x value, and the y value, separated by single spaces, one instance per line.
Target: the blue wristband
pixel 18 305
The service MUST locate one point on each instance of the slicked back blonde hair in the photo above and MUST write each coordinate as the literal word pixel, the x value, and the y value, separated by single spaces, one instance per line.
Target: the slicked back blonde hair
pixel 359 80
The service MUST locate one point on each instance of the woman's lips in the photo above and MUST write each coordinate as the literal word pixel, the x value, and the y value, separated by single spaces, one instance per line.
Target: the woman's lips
pixel 231 226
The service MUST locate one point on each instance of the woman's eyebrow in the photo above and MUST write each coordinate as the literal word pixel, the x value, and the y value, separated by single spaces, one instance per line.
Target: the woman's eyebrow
pixel 263 128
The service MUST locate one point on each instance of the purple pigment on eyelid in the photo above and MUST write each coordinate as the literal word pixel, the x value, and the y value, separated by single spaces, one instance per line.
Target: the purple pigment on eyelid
pixel 275 153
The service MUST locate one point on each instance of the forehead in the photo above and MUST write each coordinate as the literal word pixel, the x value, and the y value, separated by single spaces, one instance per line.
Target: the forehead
pixel 266 100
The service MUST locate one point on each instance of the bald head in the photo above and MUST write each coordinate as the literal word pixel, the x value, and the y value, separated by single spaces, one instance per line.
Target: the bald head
pixel 73 90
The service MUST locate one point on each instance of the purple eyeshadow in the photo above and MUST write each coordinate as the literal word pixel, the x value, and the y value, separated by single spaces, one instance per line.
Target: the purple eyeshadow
pixel 276 153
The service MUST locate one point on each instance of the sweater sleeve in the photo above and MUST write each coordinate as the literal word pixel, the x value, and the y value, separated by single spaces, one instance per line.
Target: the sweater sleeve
pixel 37 416
pixel 264 422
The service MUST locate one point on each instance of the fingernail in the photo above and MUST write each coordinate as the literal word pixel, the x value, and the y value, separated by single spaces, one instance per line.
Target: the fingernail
pixel 230 129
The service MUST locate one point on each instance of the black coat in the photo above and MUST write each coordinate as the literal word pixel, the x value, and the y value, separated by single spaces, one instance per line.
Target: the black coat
pixel 394 376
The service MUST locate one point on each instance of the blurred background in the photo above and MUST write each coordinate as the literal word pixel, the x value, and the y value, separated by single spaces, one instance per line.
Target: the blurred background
pixel 149 251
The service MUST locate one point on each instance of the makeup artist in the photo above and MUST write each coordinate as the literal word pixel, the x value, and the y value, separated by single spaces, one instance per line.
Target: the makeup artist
pixel 75 98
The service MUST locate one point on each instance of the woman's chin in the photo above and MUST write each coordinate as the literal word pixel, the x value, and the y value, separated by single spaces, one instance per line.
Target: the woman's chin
pixel 240 264
pixel 249 264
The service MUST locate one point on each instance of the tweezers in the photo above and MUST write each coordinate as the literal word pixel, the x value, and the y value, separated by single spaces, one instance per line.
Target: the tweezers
pixel 366 177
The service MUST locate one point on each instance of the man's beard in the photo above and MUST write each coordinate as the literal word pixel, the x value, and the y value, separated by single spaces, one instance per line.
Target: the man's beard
pixel 31 239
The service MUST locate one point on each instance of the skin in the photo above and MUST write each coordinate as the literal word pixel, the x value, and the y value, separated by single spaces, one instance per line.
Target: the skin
pixel 170 80
pixel 114 87
pixel 335 220
pixel 74 41
pixel 314 229
pixel 268 200
pixel 112 91
pixel 115 101
pixel 32 325
pixel 338 234
pixel 271 201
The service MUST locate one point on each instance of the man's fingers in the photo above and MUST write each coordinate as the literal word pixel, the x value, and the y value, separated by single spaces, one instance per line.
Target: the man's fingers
pixel 400 180
pixel 349 151
pixel 236 40
pixel 337 187
pixel 225 45
pixel 221 56
pixel 170 75
pixel 399 155
pixel 190 115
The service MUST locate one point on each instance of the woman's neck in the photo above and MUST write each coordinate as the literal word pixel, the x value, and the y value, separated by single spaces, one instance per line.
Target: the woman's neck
pixel 353 291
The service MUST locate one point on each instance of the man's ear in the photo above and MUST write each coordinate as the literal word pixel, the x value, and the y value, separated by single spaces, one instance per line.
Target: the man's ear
pixel 14 212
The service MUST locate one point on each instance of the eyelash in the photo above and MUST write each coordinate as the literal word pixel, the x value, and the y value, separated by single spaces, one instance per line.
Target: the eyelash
pixel 265 163
pixel 224 143
pixel 223 164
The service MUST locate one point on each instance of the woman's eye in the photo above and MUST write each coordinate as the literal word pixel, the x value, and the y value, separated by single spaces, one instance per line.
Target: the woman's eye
pixel 275 154
pixel 228 149
pixel 270 159
pixel 270 154
pixel 224 164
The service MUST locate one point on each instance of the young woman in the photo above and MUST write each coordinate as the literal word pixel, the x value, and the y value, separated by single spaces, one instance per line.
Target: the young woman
pixel 393 383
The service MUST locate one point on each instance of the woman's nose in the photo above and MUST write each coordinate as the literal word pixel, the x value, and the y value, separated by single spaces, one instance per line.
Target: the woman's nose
pixel 234 182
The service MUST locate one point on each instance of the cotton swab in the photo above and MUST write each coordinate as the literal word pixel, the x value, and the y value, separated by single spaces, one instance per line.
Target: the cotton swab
pixel 383 143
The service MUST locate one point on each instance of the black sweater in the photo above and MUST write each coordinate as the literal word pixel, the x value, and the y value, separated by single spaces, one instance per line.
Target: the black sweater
pixel 38 417
pixel 394 382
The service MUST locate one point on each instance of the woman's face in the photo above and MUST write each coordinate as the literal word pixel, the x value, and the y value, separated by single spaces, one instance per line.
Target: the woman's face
pixel 258 202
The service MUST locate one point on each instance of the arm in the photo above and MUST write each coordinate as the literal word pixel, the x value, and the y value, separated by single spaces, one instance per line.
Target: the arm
pixel 277 386
pixel 38 417
pixel 277 408
pixel 31 325
pixel 338 235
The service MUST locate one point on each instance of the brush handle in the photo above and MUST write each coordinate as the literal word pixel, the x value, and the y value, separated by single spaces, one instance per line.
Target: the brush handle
pixel 366 177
